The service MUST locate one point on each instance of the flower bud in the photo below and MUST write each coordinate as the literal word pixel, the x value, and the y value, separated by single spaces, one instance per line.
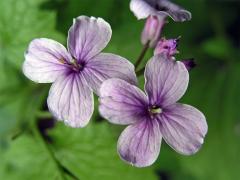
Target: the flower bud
pixel 152 30
pixel 167 46
pixel 189 63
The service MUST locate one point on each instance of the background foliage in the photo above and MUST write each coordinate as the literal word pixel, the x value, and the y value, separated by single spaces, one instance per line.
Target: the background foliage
pixel 33 147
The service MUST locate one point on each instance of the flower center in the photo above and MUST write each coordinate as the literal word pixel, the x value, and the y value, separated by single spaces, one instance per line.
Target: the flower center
pixel 155 110
pixel 73 64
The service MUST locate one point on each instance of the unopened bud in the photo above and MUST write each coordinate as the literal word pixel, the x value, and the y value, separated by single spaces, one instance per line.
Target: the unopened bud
pixel 152 30
pixel 189 63
pixel 167 46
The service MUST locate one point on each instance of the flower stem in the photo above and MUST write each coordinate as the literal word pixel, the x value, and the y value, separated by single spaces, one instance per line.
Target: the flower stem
pixel 140 72
pixel 141 56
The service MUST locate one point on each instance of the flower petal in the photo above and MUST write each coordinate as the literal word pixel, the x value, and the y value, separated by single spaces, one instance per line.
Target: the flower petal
pixel 105 66
pixel 141 9
pixel 166 80
pixel 121 102
pixel 183 127
pixel 71 100
pixel 144 8
pixel 139 144
pixel 44 60
pixel 176 12
pixel 87 37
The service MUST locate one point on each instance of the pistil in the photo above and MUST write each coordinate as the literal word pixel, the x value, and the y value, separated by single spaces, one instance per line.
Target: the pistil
pixel 155 110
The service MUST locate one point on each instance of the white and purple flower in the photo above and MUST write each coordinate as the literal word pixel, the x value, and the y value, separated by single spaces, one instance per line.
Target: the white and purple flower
pixel 77 72
pixel 154 115
pixel 144 8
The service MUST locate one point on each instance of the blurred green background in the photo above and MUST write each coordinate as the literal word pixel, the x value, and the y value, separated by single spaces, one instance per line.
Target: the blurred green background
pixel 33 146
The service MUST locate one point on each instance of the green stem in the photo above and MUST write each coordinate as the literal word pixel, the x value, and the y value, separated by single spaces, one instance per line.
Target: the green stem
pixel 141 56
pixel 48 149
pixel 140 72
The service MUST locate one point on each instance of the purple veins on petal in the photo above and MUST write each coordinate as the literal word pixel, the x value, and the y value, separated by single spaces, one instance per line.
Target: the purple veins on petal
pixel 153 116
pixel 144 8
pixel 71 100
pixel 139 144
pixel 166 80
pixel 183 127
pixel 122 103
pixel 77 72
pixel 44 60
pixel 87 37
pixel 105 66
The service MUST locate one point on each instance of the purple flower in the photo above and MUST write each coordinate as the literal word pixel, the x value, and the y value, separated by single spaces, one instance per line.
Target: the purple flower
pixel 144 8
pixel 77 72
pixel 152 30
pixel 154 115
pixel 167 46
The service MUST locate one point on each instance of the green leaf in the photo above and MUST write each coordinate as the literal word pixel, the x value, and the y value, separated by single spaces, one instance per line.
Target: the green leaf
pixel 20 22
pixel 16 114
pixel 91 153
pixel 27 159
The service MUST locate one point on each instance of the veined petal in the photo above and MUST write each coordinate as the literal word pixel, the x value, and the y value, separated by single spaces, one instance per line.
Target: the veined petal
pixel 166 80
pixel 139 144
pixel 105 66
pixel 183 127
pixel 121 102
pixel 176 12
pixel 71 100
pixel 45 60
pixel 144 8
pixel 87 37
pixel 141 9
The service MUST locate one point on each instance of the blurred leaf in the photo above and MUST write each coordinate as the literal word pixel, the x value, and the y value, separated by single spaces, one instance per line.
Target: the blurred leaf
pixel 219 48
pixel 20 22
pixel 91 153
pixel 16 115
pixel 27 159
pixel 69 9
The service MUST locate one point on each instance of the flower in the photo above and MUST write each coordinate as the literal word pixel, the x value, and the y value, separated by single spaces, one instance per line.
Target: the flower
pixel 77 72
pixel 153 116
pixel 167 46
pixel 144 8
pixel 152 30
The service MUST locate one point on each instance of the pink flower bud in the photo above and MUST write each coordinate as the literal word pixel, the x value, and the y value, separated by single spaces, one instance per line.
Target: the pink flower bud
pixel 152 30
pixel 167 46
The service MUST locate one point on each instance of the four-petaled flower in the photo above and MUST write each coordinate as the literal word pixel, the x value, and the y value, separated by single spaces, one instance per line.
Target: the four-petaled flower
pixel 78 72
pixel 153 116
pixel 144 8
